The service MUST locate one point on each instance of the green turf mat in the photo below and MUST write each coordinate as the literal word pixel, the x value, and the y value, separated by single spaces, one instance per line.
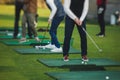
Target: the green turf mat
pixel 3 32
pixel 6 29
pixel 6 32
pixel 78 62
pixel 29 42
pixel 11 37
pixel 86 75
pixel 41 51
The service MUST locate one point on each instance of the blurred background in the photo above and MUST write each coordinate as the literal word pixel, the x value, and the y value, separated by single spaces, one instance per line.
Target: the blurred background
pixel 112 7
pixel 14 66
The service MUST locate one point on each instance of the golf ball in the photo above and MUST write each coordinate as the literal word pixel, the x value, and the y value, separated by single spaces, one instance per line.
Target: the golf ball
pixel 82 62
pixel 85 63
pixel 100 50
pixel 36 47
pixel 107 77
pixel 43 47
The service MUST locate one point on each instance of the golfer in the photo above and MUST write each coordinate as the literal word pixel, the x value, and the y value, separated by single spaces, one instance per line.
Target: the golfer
pixel 30 11
pixel 76 11
pixel 101 7
pixel 56 16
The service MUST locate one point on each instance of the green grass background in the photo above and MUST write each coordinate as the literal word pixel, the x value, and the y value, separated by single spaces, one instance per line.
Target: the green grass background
pixel 14 66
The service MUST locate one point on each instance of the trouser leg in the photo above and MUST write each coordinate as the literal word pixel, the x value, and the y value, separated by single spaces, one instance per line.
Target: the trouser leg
pixel 83 38
pixel 18 8
pixel 24 23
pixel 32 23
pixel 53 30
pixel 69 26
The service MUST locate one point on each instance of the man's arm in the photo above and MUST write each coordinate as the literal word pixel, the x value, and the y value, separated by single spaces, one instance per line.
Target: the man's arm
pixel 53 8
pixel 85 10
pixel 67 9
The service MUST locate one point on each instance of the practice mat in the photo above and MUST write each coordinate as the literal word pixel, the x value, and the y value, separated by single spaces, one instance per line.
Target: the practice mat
pixel 29 42
pixel 42 51
pixel 86 75
pixel 11 37
pixel 6 29
pixel 78 62
pixel 7 33
pixel 3 32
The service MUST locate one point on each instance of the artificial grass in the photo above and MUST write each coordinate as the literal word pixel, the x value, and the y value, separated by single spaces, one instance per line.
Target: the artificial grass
pixel 94 75
pixel 22 67
pixel 14 66
pixel 74 62
pixel 29 42
pixel 43 51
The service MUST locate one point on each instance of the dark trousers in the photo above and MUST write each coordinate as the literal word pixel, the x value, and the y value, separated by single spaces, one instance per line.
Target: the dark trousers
pixel 101 21
pixel 69 26
pixel 53 30
pixel 18 8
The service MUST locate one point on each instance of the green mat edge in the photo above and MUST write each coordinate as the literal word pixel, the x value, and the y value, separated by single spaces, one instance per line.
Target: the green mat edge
pixel 18 50
pixel 22 44
pixel 79 64
pixel 11 37
pixel 54 77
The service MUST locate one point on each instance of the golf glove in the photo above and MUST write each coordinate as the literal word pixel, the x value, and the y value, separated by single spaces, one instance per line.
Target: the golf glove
pixel 100 10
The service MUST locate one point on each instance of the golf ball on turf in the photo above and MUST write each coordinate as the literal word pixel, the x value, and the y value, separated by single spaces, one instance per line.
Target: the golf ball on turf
pixel 100 50
pixel 82 62
pixel 107 77
pixel 36 47
pixel 43 47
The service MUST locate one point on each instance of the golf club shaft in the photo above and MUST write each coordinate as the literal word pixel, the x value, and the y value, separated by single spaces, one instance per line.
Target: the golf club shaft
pixel 45 33
pixel 91 39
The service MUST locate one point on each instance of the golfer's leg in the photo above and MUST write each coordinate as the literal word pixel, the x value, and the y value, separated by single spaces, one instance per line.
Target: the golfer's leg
pixel 69 25
pixel 83 39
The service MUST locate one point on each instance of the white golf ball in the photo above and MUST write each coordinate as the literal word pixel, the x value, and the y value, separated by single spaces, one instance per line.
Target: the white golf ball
pixel 82 62
pixel 100 50
pixel 107 77
pixel 43 47
pixel 36 47
pixel 85 63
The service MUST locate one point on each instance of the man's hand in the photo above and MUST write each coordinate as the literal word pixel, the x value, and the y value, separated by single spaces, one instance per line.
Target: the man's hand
pixel 49 21
pixel 78 22
pixel 100 10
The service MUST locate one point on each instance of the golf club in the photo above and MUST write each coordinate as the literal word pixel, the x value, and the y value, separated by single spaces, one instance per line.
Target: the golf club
pixel 45 33
pixel 99 49
pixel 41 45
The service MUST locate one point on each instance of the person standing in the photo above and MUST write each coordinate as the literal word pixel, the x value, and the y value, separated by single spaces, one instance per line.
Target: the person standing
pixel 101 8
pixel 76 11
pixel 18 7
pixel 117 16
pixel 56 16
pixel 30 11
